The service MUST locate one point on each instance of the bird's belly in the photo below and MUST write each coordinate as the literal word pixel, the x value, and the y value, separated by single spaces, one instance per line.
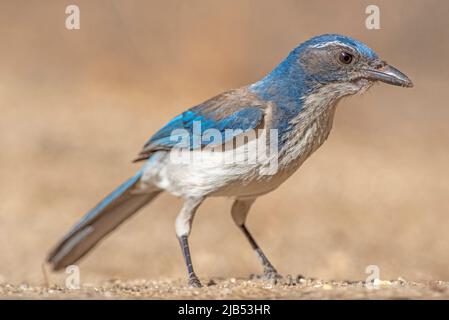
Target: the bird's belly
pixel 205 173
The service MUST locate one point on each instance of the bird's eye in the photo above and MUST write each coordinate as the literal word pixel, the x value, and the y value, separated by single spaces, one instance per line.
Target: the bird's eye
pixel 345 57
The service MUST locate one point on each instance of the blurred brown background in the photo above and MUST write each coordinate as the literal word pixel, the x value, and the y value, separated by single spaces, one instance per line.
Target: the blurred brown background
pixel 76 107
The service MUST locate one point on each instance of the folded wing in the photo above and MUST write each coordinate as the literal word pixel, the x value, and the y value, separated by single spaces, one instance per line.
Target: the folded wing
pixel 229 114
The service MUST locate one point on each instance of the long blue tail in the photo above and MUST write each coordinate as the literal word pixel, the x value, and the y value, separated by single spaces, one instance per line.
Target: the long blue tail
pixel 98 222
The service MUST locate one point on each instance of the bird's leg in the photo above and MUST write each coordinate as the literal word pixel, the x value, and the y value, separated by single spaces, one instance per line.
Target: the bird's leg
pixel 183 225
pixel 239 212
pixel 193 279
pixel 268 270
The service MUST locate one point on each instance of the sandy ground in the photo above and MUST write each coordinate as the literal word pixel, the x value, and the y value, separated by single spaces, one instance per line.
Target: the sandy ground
pixel 76 107
pixel 290 288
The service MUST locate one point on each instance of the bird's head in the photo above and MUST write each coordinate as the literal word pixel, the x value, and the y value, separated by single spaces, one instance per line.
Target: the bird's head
pixel 345 63
pixel 337 63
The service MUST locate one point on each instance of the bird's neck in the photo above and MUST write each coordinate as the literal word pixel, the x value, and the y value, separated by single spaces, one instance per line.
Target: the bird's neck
pixel 285 86
pixel 294 97
pixel 304 112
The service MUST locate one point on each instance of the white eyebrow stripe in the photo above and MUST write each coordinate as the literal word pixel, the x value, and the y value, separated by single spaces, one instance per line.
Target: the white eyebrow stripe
pixel 326 44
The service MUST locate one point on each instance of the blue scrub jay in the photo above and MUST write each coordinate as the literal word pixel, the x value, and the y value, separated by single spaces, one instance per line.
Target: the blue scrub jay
pixel 296 100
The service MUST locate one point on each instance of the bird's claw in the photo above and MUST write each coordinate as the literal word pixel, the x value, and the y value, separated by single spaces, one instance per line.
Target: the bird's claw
pixel 272 275
pixel 194 282
pixel 268 275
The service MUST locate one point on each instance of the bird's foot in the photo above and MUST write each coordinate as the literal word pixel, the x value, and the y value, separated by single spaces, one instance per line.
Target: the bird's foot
pixel 269 274
pixel 272 274
pixel 194 282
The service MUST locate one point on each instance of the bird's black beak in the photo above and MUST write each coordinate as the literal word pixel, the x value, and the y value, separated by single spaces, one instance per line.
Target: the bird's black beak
pixel 388 74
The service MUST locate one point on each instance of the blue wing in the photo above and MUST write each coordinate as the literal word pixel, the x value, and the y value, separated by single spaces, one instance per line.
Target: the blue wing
pixel 226 120
pixel 240 121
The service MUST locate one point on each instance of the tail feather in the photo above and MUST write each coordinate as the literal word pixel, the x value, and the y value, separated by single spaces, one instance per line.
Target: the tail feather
pixel 99 222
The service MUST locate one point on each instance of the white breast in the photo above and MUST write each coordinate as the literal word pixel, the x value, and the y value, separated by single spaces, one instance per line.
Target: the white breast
pixel 310 129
